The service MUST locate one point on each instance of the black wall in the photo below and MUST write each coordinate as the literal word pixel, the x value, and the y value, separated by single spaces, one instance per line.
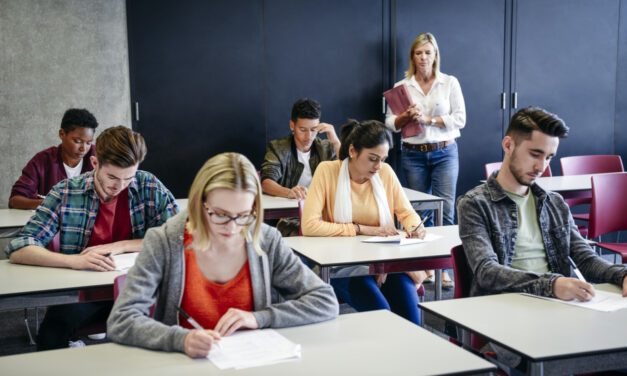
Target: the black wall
pixel 222 75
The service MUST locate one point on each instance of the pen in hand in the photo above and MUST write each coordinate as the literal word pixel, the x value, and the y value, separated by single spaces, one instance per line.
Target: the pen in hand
pixel 577 272
pixel 41 196
pixel 193 322
pixel 420 223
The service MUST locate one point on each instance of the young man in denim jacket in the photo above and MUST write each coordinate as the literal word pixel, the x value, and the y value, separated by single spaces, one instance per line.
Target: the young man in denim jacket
pixel 518 237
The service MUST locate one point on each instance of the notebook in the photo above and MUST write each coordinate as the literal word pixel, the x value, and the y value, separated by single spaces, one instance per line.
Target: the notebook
pixel 399 100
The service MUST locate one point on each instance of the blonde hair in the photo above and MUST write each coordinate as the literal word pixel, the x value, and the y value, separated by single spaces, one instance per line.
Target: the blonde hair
pixel 226 170
pixel 419 41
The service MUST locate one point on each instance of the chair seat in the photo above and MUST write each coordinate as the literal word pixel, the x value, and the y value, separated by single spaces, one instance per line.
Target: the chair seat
pixel 616 247
pixel 582 217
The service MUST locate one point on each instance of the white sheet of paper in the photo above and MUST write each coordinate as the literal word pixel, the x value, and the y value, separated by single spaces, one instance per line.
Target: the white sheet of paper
pixel 603 301
pixel 124 261
pixel 401 239
pixel 252 348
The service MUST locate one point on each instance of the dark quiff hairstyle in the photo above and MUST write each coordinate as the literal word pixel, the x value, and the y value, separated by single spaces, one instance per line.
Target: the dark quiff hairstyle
pixel 120 147
pixel 530 119
pixel 305 108
pixel 367 134
pixel 75 117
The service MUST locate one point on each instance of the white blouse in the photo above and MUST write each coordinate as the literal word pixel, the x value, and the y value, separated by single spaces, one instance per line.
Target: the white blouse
pixel 445 100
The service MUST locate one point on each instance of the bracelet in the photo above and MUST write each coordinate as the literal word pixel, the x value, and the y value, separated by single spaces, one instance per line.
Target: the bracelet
pixel 358 228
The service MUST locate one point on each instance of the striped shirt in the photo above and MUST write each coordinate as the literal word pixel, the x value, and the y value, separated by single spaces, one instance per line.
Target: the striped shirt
pixel 71 208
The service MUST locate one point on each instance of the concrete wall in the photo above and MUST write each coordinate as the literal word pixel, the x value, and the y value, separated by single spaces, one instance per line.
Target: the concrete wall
pixel 58 54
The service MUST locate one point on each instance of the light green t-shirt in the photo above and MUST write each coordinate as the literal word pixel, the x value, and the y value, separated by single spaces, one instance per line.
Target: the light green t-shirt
pixel 529 252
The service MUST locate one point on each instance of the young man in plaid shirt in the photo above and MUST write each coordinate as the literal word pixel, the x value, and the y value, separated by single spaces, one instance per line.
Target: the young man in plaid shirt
pixel 96 215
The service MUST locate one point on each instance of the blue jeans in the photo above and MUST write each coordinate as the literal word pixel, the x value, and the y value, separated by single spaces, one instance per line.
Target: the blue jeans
pixel 434 172
pixel 397 294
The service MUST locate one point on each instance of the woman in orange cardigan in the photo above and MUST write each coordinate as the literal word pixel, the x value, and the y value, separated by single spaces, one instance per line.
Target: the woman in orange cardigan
pixel 359 195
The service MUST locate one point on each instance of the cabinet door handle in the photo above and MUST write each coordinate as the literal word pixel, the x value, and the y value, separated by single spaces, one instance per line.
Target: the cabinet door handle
pixel 515 100
pixel 503 100
pixel 383 105
pixel 136 111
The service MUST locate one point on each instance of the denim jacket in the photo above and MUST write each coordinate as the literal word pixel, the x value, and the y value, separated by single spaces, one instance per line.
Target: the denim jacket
pixel 281 163
pixel 488 228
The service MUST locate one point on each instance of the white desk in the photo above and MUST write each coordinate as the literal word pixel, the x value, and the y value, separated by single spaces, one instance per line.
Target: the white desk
pixel 12 221
pixel 273 207
pixel 568 186
pixel 24 286
pixel 553 338
pixel 367 343
pixel 346 250
pixel 281 207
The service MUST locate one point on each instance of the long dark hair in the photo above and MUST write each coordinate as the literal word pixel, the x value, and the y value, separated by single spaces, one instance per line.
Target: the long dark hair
pixel 367 134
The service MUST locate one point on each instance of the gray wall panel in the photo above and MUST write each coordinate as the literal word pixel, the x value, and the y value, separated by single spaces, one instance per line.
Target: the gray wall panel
pixel 56 55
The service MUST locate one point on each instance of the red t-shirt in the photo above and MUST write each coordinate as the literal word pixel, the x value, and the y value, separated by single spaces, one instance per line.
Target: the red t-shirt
pixel 113 221
pixel 207 301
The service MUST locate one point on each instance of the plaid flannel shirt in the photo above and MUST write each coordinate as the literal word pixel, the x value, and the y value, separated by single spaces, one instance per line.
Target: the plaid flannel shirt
pixel 72 205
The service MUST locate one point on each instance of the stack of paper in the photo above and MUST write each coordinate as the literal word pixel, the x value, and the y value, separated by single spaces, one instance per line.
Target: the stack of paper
pixel 602 301
pixel 400 239
pixel 124 261
pixel 252 348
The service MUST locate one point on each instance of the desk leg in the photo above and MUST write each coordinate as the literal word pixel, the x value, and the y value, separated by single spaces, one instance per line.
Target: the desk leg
pixel 438 284
pixel 536 369
pixel 438 214
pixel 324 274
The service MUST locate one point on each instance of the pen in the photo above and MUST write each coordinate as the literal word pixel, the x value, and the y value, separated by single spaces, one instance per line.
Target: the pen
pixel 40 196
pixel 193 322
pixel 421 222
pixel 577 272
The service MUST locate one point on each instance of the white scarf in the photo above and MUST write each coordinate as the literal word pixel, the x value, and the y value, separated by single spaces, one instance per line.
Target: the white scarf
pixel 343 209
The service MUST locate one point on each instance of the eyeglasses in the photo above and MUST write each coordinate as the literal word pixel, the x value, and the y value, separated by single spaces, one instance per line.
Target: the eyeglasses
pixel 222 219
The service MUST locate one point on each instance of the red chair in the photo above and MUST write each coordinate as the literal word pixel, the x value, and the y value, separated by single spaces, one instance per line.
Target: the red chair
pixel 607 210
pixel 491 167
pixel 118 283
pixel 588 164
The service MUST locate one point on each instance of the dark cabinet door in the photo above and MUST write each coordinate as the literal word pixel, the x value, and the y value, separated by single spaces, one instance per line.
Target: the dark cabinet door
pixel 197 74
pixel 472 43
pixel 566 61
pixel 327 50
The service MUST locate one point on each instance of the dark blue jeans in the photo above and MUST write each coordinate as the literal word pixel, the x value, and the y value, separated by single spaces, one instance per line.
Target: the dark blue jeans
pixel 434 172
pixel 397 294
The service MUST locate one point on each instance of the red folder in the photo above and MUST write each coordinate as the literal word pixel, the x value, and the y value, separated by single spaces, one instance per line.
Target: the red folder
pixel 399 100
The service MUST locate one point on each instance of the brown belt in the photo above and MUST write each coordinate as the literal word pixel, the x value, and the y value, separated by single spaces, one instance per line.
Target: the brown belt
pixel 428 147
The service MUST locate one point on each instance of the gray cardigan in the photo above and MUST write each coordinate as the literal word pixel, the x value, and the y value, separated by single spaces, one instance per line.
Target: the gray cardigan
pixel 285 292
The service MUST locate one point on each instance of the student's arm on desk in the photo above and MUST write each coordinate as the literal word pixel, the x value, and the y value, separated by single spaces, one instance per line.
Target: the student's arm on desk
pixel 21 202
pixel 36 255
pixel 115 248
pixel 273 188
pixel 476 237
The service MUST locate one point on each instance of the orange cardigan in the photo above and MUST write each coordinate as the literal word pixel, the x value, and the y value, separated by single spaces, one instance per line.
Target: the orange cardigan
pixel 317 217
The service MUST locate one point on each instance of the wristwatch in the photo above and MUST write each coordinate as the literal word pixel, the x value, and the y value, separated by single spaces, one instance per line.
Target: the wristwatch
pixel 433 120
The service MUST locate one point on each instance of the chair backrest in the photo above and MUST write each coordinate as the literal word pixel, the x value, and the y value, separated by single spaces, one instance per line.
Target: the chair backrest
pixel 608 206
pixel 591 164
pixel 491 167
pixel 301 205
pixel 118 282
pixel 462 273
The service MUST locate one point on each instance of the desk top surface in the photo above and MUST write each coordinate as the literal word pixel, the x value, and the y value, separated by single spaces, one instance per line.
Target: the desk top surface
pixel 345 250
pixel 14 217
pixel 373 343
pixel 566 183
pixel 18 279
pixel 538 328
pixel 275 202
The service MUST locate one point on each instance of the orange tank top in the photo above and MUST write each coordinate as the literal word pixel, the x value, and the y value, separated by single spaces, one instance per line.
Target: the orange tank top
pixel 207 301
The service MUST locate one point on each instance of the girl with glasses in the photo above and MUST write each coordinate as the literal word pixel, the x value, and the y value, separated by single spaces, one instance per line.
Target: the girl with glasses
pixel 221 265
